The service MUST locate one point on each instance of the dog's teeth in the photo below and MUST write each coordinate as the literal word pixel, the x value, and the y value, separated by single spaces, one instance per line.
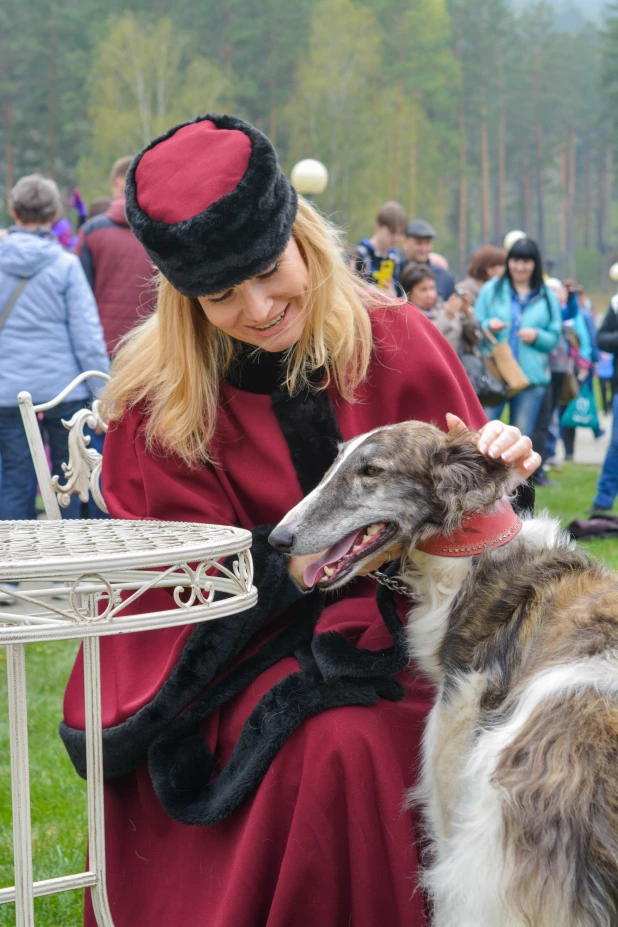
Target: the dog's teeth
pixel 357 547
pixel 372 529
pixel 328 571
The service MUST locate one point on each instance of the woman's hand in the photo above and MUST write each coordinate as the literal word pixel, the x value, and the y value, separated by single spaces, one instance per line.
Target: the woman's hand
pixel 527 335
pixel 506 442
pixel 496 325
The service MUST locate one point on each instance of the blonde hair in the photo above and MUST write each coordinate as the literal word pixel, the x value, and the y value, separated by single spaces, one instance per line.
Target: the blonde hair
pixel 174 361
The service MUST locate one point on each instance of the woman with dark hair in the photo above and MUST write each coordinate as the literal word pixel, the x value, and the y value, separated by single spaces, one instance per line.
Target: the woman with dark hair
pixel 453 318
pixel 518 308
pixel 486 263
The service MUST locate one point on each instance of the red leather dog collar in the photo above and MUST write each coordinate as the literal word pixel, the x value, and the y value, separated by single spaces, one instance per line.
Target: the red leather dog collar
pixel 478 532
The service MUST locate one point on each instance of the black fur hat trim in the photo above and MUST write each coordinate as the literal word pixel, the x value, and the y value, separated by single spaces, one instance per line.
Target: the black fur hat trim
pixel 237 236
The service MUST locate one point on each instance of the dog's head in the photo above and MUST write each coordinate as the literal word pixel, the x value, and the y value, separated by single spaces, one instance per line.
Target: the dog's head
pixel 398 484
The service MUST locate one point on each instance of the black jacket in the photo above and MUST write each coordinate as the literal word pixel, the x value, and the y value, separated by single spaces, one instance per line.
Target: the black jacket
pixel 607 337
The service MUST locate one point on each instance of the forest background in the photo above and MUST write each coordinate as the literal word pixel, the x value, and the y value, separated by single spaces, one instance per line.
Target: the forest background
pixel 479 115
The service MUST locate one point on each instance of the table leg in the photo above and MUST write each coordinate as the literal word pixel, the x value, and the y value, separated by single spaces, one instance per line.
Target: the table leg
pixel 94 766
pixel 20 784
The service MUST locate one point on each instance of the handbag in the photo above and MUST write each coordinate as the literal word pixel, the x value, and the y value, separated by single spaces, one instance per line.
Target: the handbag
pixel 582 411
pixel 490 390
pixel 570 388
pixel 502 363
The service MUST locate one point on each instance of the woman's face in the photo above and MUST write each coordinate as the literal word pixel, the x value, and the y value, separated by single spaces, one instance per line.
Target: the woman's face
pixel 521 270
pixel 424 294
pixel 266 311
pixel 496 271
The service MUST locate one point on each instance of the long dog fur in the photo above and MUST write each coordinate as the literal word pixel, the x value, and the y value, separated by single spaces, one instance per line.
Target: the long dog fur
pixel 519 780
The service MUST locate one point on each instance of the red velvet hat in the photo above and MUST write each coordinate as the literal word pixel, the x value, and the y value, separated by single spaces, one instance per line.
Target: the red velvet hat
pixel 210 203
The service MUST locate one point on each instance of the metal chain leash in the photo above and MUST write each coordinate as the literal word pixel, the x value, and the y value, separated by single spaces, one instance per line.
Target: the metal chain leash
pixel 393 584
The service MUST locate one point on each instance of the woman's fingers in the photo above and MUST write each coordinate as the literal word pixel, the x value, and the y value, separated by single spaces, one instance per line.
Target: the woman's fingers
pixel 489 434
pixel 498 440
pixel 503 441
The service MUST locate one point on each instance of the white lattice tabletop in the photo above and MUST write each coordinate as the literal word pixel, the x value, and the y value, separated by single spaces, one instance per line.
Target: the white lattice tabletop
pixel 105 558
pixel 105 566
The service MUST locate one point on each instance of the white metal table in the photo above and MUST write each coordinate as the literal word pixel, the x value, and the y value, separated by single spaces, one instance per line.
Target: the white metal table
pixel 98 561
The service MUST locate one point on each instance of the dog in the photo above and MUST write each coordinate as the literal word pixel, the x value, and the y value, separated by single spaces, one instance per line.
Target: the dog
pixel 518 630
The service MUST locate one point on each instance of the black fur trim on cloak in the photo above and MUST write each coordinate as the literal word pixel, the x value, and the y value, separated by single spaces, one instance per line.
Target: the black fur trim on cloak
pixel 181 766
pixel 312 435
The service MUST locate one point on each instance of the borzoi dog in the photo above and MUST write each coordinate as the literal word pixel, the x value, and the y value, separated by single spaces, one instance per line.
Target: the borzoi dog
pixel 519 631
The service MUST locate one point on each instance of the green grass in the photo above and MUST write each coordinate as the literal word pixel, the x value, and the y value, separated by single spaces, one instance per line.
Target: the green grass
pixel 59 796
pixel 570 500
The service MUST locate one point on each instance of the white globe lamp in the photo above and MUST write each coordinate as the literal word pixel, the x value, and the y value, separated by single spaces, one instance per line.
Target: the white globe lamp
pixel 613 273
pixel 511 237
pixel 310 177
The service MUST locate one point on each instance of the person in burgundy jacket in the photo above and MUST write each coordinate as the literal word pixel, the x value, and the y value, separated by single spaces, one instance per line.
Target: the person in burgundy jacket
pixel 116 264
pixel 256 766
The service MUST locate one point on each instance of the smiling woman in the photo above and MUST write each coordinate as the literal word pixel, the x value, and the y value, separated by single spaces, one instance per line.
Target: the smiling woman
pixel 255 770
pixel 267 310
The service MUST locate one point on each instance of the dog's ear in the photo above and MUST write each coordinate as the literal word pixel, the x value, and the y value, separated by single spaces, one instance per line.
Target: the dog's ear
pixel 463 478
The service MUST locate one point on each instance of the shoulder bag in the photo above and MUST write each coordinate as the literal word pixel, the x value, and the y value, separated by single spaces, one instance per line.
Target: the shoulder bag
pixel 490 390
pixel 502 363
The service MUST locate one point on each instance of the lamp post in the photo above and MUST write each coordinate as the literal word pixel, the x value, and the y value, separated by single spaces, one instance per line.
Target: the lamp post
pixel 310 178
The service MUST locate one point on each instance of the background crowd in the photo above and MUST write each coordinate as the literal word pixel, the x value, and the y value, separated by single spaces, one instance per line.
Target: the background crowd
pixel 506 306
pixel 66 300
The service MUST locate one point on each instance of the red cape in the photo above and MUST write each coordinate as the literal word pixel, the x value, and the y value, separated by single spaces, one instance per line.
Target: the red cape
pixel 324 840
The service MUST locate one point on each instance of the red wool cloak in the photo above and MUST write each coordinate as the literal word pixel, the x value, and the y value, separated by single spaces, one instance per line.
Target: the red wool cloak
pixel 323 841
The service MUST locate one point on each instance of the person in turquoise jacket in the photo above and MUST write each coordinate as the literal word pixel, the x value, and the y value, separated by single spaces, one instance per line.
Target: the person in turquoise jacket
pixel 517 307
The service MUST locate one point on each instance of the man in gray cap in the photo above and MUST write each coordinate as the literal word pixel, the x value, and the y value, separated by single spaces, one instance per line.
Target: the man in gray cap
pixel 417 246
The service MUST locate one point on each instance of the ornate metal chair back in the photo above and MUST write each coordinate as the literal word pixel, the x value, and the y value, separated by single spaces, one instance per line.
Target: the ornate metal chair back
pixel 83 469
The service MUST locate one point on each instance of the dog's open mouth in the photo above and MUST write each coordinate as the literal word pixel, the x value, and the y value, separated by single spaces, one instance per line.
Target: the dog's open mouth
pixel 338 560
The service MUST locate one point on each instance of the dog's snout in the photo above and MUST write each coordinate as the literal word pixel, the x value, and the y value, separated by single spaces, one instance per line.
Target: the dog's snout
pixel 282 538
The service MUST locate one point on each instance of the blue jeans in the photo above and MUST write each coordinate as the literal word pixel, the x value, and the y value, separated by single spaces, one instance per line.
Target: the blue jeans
pixel 607 487
pixel 523 408
pixel 19 481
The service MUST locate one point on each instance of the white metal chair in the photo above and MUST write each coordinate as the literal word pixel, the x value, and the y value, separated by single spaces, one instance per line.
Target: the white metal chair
pixel 83 468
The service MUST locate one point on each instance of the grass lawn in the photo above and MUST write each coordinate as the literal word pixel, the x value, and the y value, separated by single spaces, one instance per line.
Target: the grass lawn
pixel 570 500
pixel 59 796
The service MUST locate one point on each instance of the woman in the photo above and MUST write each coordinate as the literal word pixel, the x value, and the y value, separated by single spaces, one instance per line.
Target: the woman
pixel 51 334
pixel 453 318
pixel 227 406
pixel 518 308
pixel 486 263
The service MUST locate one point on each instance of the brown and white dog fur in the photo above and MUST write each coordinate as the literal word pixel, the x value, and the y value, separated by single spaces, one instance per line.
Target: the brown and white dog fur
pixel 519 780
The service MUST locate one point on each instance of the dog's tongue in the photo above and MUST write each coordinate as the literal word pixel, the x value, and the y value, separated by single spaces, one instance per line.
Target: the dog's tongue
pixel 334 553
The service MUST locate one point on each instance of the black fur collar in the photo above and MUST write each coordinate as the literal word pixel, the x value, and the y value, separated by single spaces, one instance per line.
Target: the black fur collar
pixel 258 371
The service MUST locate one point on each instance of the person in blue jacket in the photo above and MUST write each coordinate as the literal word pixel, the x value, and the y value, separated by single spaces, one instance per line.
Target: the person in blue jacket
pixel 51 334
pixel 517 307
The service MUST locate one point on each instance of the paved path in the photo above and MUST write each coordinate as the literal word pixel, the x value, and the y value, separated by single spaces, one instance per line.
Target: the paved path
pixel 589 450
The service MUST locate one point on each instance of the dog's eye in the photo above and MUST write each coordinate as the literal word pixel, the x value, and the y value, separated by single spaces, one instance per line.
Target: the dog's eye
pixel 370 470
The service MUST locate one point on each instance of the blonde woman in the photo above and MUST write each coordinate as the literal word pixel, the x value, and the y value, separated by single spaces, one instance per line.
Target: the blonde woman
pixel 257 764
